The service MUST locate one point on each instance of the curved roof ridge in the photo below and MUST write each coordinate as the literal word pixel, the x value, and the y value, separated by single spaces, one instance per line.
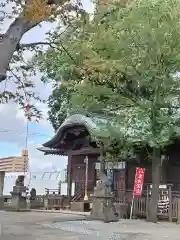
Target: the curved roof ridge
pixel 81 120
pixel 90 123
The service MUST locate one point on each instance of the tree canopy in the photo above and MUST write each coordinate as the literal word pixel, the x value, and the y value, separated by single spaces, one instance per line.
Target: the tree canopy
pixel 126 66
pixel 129 64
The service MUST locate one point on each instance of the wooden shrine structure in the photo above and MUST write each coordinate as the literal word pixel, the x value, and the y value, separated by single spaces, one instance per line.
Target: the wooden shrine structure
pixel 74 139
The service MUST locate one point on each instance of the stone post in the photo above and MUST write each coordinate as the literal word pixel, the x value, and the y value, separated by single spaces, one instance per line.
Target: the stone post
pixel 2 175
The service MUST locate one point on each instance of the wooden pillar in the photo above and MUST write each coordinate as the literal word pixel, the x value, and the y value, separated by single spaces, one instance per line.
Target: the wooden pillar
pixel 147 203
pixel 69 177
pixel 178 213
pixel 170 203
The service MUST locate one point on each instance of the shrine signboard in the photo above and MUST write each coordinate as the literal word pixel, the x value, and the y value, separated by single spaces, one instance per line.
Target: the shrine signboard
pixel 139 181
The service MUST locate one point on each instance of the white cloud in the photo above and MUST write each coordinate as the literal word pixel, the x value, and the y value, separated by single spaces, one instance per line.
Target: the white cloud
pixel 40 162
pixel 11 128
pixel 12 121
pixel 13 131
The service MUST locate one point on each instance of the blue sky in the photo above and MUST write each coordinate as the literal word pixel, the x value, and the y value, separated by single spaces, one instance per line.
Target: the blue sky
pixel 12 121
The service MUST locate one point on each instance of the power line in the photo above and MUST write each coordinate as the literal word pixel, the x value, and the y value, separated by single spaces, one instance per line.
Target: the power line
pixel 30 133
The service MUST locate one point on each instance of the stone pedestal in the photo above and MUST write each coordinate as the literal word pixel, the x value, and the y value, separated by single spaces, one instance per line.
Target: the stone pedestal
pixel 122 210
pixel 103 208
pixel 80 206
pixel 18 202
pixel 1 202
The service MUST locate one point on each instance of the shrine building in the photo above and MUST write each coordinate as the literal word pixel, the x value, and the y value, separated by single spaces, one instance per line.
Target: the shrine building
pixel 75 139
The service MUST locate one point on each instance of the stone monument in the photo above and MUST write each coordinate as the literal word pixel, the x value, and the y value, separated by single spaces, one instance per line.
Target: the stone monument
pixel 103 208
pixel 19 195
pixel 33 194
pixel 33 203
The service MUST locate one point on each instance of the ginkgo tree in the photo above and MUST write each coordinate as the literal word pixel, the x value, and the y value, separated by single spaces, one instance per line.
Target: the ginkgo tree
pixel 127 66
pixel 135 53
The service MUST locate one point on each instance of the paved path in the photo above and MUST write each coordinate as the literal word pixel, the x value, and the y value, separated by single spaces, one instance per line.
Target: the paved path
pixel 53 226
pixel 62 211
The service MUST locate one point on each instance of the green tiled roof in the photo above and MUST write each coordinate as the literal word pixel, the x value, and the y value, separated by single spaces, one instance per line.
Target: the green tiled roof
pixel 96 127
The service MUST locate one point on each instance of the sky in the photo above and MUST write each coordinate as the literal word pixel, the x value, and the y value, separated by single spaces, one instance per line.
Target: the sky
pixel 13 123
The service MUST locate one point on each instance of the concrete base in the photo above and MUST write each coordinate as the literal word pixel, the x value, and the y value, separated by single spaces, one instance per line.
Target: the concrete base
pixel 80 206
pixel 17 210
pixel 121 209
pixel 18 203
pixel 104 210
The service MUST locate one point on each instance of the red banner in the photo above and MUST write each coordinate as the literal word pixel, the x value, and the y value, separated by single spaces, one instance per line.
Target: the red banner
pixel 139 181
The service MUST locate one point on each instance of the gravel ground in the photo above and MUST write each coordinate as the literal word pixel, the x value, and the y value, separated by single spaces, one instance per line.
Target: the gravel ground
pixel 51 226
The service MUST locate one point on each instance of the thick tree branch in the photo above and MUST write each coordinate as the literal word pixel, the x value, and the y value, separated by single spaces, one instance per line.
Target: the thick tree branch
pixel 10 40
pixel 31 45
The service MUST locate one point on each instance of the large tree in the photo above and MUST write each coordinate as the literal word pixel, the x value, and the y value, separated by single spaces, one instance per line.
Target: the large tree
pixel 23 16
pixel 129 64
pixel 136 55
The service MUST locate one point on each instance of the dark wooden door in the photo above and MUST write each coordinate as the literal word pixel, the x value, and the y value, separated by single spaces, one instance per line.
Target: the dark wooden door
pixel 120 184
pixel 79 177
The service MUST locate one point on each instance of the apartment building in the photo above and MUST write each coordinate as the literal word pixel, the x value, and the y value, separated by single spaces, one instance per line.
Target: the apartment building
pixel 15 163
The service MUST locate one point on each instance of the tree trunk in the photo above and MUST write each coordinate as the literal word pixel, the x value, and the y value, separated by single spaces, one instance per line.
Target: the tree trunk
pixel 102 160
pixel 69 177
pixel 9 42
pixel 156 174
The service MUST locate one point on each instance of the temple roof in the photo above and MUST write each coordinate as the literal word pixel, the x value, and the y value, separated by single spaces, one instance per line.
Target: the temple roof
pixel 70 128
pixel 76 128
pixel 73 121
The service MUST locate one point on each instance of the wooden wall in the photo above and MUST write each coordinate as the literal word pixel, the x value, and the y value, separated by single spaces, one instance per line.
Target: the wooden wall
pixel 78 172
pixel 124 178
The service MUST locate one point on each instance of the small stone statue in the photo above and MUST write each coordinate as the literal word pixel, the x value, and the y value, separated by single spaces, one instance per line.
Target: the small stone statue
pixel 106 183
pixel 33 194
pixel 19 181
